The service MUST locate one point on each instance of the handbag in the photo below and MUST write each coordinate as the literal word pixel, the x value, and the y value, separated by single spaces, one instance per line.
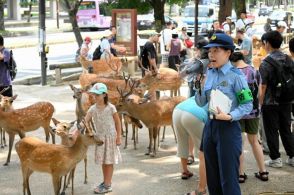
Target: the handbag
pixel 188 43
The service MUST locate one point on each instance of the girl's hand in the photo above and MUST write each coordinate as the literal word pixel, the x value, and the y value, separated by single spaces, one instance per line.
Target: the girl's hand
pixel 222 116
pixel 118 141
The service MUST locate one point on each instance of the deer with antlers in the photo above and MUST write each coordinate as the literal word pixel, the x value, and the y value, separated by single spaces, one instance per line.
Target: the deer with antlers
pixel 153 114
pixel 166 79
pixel 57 160
pixel 102 67
pixel 20 121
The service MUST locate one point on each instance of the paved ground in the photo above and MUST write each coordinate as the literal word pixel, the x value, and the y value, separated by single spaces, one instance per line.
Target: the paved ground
pixel 138 174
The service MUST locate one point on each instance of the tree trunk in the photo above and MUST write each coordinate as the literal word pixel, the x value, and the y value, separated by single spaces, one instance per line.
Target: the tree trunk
pixel 226 9
pixel 158 6
pixel 240 6
pixel 30 10
pixel 2 27
pixel 72 10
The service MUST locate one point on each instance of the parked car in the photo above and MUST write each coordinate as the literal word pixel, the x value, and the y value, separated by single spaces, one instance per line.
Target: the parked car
pixel 146 21
pixel 263 11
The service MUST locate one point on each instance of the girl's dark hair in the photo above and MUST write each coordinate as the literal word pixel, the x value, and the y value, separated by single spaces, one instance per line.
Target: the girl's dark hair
pixel 105 98
pixel 236 56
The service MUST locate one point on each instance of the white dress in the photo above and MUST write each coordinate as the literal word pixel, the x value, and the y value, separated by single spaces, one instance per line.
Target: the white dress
pixel 104 124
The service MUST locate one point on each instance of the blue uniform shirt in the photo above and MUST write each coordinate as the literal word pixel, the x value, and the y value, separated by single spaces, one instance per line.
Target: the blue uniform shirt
pixel 230 81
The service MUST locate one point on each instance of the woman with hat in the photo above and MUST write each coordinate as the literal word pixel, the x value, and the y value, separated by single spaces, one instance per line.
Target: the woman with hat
pixel 222 141
pixel 85 47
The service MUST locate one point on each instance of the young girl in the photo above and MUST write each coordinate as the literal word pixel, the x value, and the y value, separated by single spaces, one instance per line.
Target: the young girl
pixel 108 129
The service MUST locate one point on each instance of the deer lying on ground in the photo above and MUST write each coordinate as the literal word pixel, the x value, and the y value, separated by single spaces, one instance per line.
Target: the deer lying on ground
pixel 5 105
pixel 104 67
pixel 153 114
pixel 166 79
pixel 57 160
pixel 20 121
pixel 84 100
pixel 62 130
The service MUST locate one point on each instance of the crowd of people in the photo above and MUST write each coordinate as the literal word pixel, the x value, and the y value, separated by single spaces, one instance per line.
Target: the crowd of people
pixel 255 112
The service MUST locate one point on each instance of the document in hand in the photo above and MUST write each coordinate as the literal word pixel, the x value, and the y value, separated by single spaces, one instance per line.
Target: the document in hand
pixel 219 99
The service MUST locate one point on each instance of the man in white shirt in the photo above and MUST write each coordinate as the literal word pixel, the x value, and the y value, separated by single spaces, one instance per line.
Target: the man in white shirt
pixel 227 25
pixel 166 36
pixel 241 22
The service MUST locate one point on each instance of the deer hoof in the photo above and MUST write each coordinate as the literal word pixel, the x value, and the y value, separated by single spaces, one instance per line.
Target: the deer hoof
pixel 85 182
pixel 2 146
pixel 62 193
pixel 147 153
pixel 162 140
pixel 152 154
pixel 125 147
pixel 6 164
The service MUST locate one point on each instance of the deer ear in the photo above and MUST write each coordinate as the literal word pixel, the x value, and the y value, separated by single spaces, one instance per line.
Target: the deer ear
pixel 72 87
pixel 55 121
pixel 14 97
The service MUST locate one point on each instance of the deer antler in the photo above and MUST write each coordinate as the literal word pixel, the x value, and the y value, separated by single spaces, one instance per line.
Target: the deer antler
pixel 126 79
pixel 89 130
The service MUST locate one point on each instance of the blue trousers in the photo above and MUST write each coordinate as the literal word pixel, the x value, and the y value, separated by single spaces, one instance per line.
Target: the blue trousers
pixel 222 145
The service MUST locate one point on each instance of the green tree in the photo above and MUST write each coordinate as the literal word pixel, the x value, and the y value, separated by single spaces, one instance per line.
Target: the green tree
pixel 2 27
pixel 240 6
pixel 226 9
pixel 72 6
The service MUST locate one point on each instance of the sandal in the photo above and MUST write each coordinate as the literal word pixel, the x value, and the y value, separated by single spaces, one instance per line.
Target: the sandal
pixel 263 176
pixel 190 160
pixel 186 175
pixel 196 192
pixel 242 178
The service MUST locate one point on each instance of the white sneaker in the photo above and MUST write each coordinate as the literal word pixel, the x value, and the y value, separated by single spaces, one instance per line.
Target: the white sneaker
pixel 290 161
pixel 277 163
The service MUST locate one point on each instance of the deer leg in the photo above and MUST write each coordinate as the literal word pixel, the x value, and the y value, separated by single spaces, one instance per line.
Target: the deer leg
pixel 86 176
pixel 1 134
pixel 68 179
pixel 21 134
pixel 137 136
pixel 29 173
pixel 47 131
pixel 127 130
pixel 4 139
pixel 11 141
pixel 72 180
pixel 163 134
pixel 134 132
pixel 174 133
pixel 64 184
pixel 56 184
pixel 155 130
pixel 150 141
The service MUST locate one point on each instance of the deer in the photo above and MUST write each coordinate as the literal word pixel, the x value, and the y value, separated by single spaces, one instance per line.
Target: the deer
pixel 84 100
pixel 166 79
pixel 57 160
pixel 30 118
pixel 63 131
pixel 153 114
pixel 101 67
pixel 5 105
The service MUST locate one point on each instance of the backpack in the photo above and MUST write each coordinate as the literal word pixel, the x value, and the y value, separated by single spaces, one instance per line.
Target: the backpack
pixel 283 82
pixel 12 66
pixel 97 53
pixel 252 78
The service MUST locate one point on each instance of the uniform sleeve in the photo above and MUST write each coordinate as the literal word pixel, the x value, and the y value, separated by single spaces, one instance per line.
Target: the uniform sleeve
pixel 242 109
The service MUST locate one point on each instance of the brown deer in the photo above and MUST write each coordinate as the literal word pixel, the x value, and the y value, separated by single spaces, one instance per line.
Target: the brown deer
pixel 166 79
pixel 62 130
pixel 153 114
pixel 20 121
pixel 84 100
pixel 104 67
pixel 57 160
pixel 5 105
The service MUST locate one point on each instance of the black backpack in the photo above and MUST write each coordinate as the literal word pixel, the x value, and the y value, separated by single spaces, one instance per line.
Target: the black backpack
pixel 97 53
pixel 12 66
pixel 283 82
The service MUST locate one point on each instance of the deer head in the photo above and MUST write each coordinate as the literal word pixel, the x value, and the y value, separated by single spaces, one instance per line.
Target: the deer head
pixel 6 102
pixel 62 128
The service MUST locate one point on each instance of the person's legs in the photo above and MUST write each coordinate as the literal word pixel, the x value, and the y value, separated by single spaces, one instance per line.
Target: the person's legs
pixel 172 63
pixel 191 151
pixel 271 122
pixel 262 134
pixel 242 176
pixel 107 170
pixel 202 173
pixel 285 129
pixel 257 151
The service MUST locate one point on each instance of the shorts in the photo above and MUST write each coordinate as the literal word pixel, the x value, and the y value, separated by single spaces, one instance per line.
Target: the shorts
pixel 249 126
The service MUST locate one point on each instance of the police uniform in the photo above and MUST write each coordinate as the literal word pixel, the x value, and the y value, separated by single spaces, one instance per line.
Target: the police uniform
pixel 222 140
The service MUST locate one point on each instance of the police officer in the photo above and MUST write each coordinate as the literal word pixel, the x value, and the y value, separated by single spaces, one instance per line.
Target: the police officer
pixel 222 141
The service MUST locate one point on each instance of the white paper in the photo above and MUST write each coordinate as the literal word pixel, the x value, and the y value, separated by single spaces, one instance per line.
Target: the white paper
pixel 220 100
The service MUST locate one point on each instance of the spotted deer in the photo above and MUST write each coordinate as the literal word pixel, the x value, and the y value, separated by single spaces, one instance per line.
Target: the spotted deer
pixel 5 105
pixel 153 114
pixel 63 131
pixel 30 118
pixel 57 160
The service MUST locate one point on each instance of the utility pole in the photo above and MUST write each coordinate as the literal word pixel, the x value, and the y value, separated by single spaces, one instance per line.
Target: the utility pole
pixel 42 40
pixel 196 22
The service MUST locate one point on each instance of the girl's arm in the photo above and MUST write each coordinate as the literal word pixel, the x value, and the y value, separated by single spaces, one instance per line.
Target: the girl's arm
pixel 118 128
